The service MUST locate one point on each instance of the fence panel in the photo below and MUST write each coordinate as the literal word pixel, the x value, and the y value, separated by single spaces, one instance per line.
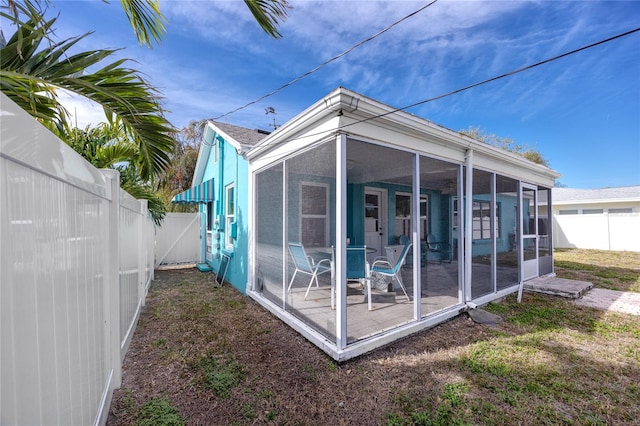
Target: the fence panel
pixel 131 273
pixel 625 231
pixel 61 277
pixel 597 231
pixel 178 240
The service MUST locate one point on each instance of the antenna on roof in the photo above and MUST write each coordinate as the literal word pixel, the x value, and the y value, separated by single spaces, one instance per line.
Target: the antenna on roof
pixel 271 110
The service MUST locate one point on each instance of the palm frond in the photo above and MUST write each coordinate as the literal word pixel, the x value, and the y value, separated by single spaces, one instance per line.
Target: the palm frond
pixel 155 203
pixel 269 14
pixel 31 80
pixel 146 19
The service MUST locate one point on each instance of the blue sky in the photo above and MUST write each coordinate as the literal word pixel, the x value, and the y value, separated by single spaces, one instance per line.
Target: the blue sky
pixel 581 112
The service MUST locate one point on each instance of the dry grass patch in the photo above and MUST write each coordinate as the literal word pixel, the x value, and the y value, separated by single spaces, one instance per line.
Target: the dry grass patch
pixel 614 270
pixel 212 356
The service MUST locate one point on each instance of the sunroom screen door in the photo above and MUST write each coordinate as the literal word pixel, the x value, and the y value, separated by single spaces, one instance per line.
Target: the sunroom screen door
pixel 529 227
pixel 375 219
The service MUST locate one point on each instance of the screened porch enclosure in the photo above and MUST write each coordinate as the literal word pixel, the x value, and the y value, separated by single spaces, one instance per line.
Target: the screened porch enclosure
pixel 296 203
pixel 368 224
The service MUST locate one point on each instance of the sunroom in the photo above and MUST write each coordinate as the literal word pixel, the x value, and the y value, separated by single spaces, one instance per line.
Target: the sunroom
pixel 368 224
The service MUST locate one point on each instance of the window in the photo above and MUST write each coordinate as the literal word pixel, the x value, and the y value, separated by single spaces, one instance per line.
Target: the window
pixel 424 219
pixel 592 211
pixel 403 215
pixel 230 215
pixel 482 220
pixel 209 216
pixel 621 210
pixel 314 210
pixel 563 212
pixel 454 212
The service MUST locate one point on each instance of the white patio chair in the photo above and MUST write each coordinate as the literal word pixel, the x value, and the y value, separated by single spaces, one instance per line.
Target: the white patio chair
pixel 306 265
pixel 441 248
pixel 384 267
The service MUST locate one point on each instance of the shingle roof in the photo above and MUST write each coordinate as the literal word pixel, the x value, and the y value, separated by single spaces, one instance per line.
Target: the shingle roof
pixel 242 135
pixel 573 194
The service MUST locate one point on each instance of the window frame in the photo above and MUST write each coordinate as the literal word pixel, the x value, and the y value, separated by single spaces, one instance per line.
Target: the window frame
pixel 483 231
pixel 229 216
pixel 424 219
pixel 304 216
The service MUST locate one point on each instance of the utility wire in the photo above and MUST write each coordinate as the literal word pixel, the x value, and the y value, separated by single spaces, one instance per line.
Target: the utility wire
pixel 507 74
pixel 480 83
pixel 327 62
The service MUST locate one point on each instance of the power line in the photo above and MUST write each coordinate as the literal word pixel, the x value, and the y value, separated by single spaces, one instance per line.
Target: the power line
pixel 507 74
pixel 327 62
pixel 480 83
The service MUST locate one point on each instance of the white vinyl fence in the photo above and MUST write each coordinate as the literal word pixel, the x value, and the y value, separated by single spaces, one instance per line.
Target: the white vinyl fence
pixel 178 239
pixel 76 256
pixel 605 231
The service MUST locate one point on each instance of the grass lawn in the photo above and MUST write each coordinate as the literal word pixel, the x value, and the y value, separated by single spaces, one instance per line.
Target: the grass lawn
pixel 615 270
pixel 205 355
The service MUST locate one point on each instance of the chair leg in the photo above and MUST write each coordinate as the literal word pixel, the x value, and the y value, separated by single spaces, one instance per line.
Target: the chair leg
pixel 368 280
pixel 292 278
pixel 333 292
pixel 314 277
pixel 399 279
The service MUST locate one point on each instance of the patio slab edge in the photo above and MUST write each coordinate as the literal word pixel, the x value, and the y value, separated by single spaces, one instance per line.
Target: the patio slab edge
pixel 570 289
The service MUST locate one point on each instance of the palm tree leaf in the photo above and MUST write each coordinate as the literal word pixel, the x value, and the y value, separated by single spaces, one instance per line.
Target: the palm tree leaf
pixel 146 19
pixel 32 78
pixel 269 14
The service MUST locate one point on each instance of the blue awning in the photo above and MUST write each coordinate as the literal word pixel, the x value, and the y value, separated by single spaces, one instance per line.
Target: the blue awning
pixel 202 193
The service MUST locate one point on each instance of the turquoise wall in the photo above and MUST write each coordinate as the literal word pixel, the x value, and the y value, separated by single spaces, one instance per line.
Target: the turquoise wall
pixel 230 168
pixel 438 214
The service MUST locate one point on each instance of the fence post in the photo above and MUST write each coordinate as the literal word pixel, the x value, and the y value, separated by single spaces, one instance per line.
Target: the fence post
pixel 143 246
pixel 112 278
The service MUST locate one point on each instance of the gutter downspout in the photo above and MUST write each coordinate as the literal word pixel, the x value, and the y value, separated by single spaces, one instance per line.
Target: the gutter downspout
pixel 468 229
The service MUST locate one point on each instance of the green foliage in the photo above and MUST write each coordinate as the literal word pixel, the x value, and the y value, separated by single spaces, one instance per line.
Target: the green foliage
pixel 450 409
pixel 220 376
pixel 158 412
pixel 34 67
pixel 178 177
pixel 508 144
pixel 107 146
pixel 268 14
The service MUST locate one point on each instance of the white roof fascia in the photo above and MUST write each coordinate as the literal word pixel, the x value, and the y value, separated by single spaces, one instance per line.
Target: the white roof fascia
pixel 237 145
pixel 596 201
pixel 404 122
pixel 203 155
pixel 330 104
pixel 361 107
pixel 205 149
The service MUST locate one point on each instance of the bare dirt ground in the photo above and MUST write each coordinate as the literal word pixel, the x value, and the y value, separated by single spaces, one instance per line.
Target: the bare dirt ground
pixel 218 358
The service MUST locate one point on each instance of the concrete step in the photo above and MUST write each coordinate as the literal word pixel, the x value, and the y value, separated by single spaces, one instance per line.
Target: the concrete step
pixel 563 287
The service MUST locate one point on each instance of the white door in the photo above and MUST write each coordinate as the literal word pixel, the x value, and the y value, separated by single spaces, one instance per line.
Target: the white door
pixel 375 220
pixel 529 231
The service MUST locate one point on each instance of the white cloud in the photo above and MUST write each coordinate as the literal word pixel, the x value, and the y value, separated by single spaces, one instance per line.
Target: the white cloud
pixel 82 111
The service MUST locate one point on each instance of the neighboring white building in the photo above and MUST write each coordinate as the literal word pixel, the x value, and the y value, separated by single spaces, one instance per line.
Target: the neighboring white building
pixel 604 219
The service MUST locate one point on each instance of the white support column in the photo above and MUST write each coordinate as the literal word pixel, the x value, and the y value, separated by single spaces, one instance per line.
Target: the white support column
pixel 285 225
pixel 494 234
pixel 468 229
pixel 415 237
pixel 251 253
pixel 520 232
pixel 341 240
pixel 112 280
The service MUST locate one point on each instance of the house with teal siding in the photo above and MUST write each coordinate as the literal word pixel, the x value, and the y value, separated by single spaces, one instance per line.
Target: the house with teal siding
pixel 358 224
pixel 220 188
